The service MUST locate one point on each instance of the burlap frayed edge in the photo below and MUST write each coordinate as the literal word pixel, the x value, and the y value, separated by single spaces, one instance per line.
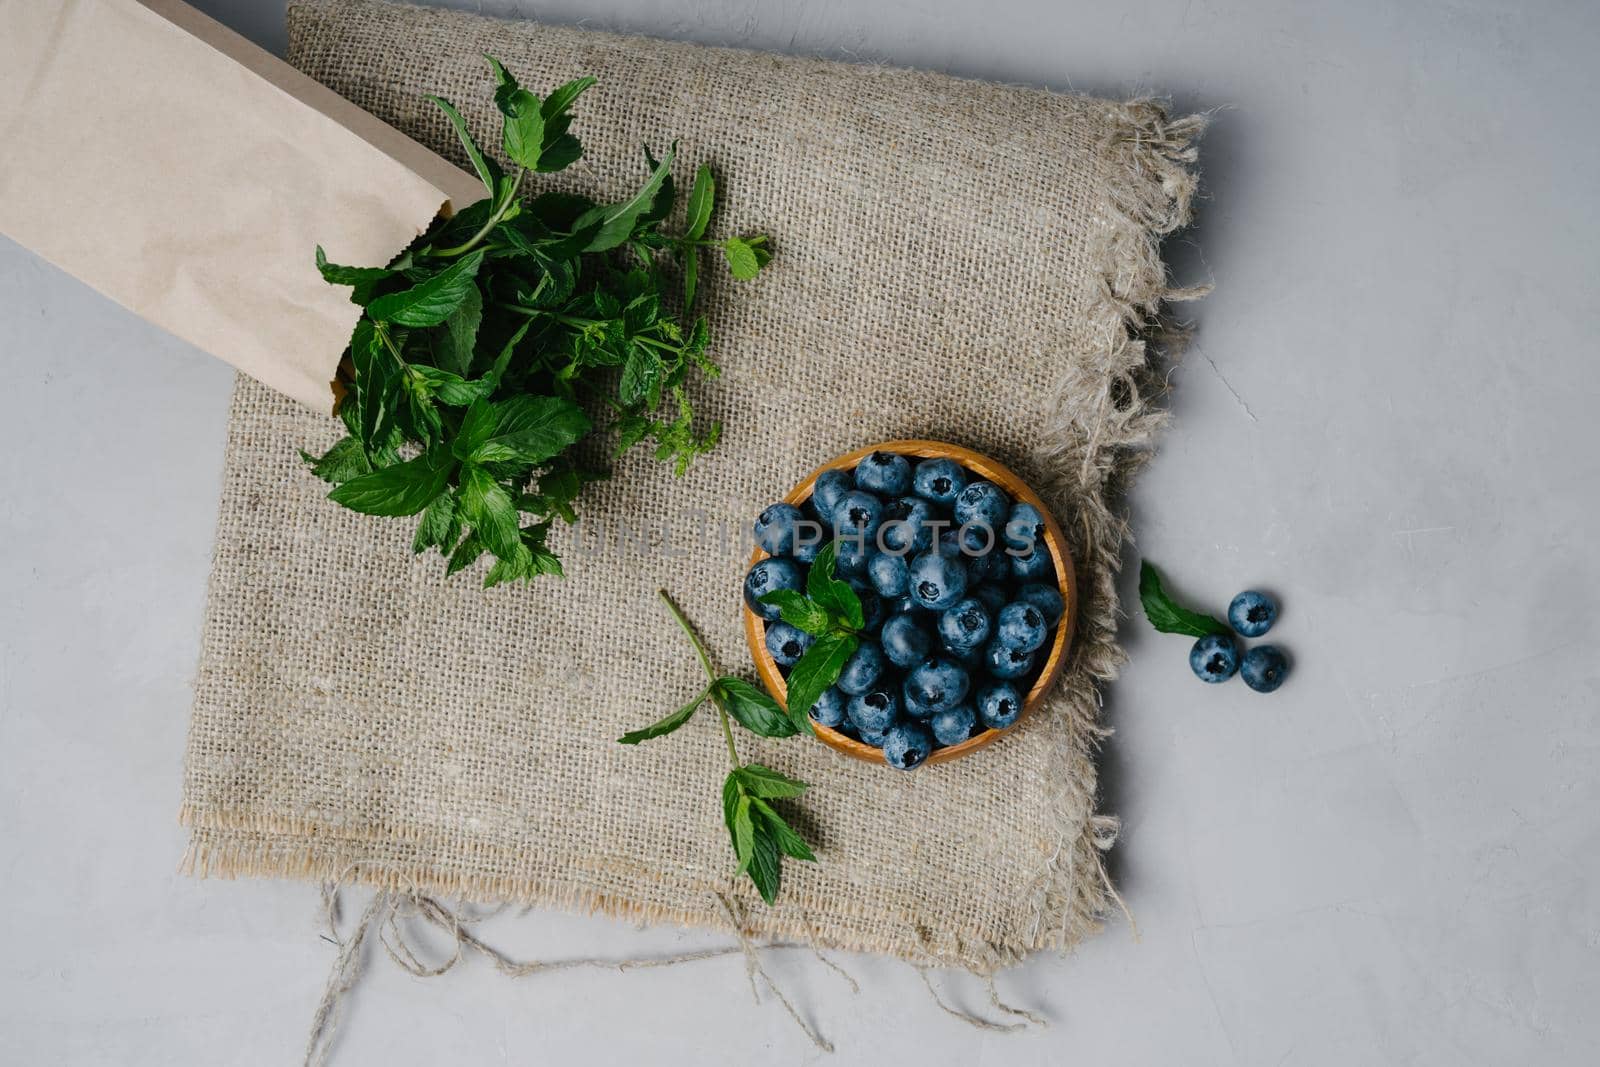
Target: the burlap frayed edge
pixel 1150 183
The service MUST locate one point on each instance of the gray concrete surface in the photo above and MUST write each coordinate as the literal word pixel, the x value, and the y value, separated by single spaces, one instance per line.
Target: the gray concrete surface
pixel 1389 419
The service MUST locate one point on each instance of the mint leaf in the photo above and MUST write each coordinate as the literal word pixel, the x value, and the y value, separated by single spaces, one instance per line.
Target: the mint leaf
pixel 616 220
pixel 345 460
pixel 454 347
pixel 818 668
pixel 487 506
pixel 741 258
pixel 451 389
pixel 488 170
pixel 404 489
pixel 665 725
pixel 532 429
pixel 1166 614
pixel 433 300
pixel 523 138
pixel 788 842
pixel 751 708
pixel 439 526
pixel 766 782
pixel 764 864
pixel 560 101
pixel 798 611
pixel 744 832
pixel 701 198
pixel 334 274
pixel 831 594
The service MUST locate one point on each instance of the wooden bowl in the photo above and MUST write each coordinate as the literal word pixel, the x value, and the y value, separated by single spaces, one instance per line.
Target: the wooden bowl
pixel 755 626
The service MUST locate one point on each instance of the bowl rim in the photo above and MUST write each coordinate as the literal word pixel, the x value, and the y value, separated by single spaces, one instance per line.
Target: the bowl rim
pixel 994 471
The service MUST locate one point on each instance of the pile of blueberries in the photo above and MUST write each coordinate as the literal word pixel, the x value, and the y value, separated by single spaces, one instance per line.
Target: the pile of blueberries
pixel 957 587
pixel 1215 657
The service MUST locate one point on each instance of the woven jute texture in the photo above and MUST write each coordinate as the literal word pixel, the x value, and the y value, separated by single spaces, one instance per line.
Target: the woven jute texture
pixel 954 260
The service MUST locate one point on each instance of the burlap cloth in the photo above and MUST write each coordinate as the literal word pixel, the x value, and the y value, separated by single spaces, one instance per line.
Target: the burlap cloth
pixel 954 260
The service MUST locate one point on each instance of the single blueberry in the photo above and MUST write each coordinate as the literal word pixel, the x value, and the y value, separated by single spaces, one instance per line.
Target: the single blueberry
pixel 907 745
pixel 1264 668
pixel 954 725
pixel 829 708
pixel 905 643
pixel 1047 598
pixel 939 480
pixel 1214 658
pixel 1252 613
pixel 937 580
pixel 999 705
pixel 857 516
pixel 771 574
pixel 934 685
pixel 991 596
pixel 1036 566
pixel 873 712
pixel 985 504
pixel 884 473
pixel 775 527
pixel 906 526
pixel 826 491
pixel 862 669
pixel 1024 526
pixel 787 643
pixel 1003 661
pixel 850 560
pixel 888 573
pixel 1021 626
pixel 965 624
pixel 810 534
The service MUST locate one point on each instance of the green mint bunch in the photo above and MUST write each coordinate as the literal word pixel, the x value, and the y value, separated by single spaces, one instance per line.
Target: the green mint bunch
pixel 830 611
pixel 485 350
pixel 761 837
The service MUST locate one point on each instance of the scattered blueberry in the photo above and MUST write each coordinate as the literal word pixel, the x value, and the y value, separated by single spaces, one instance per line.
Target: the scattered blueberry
pixel 934 685
pixel 999 705
pixel 937 580
pixel 1264 668
pixel 873 712
pixel 1005 662
pixel 965 625
pixel 826 491
pixel 829 708
pixel 1252 614
pixel 1214 658
pixel 771 574
pixel 888 573
pixel 787 643
pixel 775 528
pixel 1047 598
pixel 907 745
pixel 1021 626
pixel 905 527
pixel 884 473
pixel 983 503
pixel 954 725
pixel 856 517
pixel 939 480
pixel 905 643
pixel 863 669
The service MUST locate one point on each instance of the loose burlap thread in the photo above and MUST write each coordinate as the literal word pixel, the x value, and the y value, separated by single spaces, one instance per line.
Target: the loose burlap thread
pixel 955 260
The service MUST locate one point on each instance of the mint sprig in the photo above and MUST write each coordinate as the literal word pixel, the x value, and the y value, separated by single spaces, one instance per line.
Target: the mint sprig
pixel 490 348
pixel 1166 614
pixel 831 612
pixel 760 835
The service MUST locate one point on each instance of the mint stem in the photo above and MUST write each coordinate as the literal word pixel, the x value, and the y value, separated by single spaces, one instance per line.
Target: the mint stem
pixel 494 219
pixel 711 672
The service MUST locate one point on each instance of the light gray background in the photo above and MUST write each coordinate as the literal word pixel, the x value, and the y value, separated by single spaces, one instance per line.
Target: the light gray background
pixel 1389 419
